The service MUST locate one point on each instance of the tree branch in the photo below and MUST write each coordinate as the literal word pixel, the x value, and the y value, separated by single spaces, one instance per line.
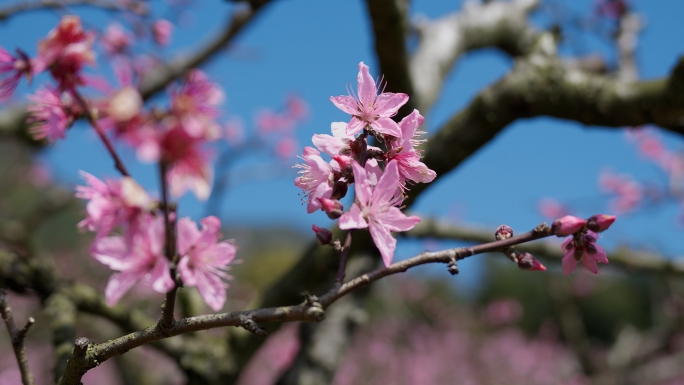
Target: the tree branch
pixel 624 258
pixel 17 337
pixel 26 6
pixel 542 85
pixel 443 41
pixel 311 310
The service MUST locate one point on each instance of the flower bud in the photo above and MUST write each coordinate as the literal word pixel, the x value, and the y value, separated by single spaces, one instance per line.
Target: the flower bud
pixel 332 207
pixel 600 222
pixel 339 190
pixel 503 232
pixel 344 161
pixel 527 261
pixel 567 225
pixel 323 236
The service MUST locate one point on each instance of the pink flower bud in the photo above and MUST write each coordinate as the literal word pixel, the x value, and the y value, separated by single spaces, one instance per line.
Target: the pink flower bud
pixel 332 207
pixel 567 225
pixel 343 160
pixel 324 236
pixel 503 232
pixel 162 31
pixel 527 261
pixel 600 222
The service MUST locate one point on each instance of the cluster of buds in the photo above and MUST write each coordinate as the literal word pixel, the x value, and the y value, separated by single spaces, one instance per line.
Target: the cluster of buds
pixel 581 245
pixel 380 175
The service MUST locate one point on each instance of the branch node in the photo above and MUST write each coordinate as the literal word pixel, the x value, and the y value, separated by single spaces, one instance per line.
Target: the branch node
pixel 542 229
pixel 25 329
pixel 81 346
pixel 248 324
pixel 452 267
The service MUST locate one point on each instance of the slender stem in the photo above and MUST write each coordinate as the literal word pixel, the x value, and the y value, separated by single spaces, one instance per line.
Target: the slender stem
pixel 93 122
pixel 170 248
pixel 309 311
pixel 17 337
pixel 344 255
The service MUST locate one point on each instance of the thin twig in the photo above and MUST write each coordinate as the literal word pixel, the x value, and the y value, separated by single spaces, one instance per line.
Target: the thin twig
pixel 170 247
pixel 312 310
pixel 25 6
pixel 344 255
pixel 17 337
pixel 93 122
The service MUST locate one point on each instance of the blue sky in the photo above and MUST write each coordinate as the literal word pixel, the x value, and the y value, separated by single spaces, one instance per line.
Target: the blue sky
pixel 313 47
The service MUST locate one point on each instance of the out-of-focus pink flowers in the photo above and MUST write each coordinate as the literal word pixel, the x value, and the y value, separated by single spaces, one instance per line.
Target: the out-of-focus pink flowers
pixel 405 153
pixel 582 247
pixel 65 51
pixel 550 208
pixel 136 258
pixel 161 30
pixel 370 109
pixel 286 147
pixel 111 203
pixel 195 103
pixel 115 39
pixel 50 114
pixel 628 193
pixel 190 167
pixel 297 108
pixel 204 260
pixel 377 209
pixel 11 70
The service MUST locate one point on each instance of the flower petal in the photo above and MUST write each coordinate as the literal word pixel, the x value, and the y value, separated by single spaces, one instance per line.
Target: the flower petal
pixel 120 283
pixel 393 219
pixel 212 289
pixel 384 241
pixel 361 186
pixel 352 219
pixel 366 86
pixel 590 263
pixel 355 126
pixel 387 104
pixel 569 262
pixel 600 255
pixel 345 103
pixel 386 126
pixel 387 187
pixel 188 234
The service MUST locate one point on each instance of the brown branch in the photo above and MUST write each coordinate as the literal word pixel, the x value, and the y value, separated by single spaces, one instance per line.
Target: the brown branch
pixel 541 85
pixel 17 337
pixel 312 310
pixel 26 6
pixel 442 42
pixel 118 163
pixel 623 257
pixel 170 246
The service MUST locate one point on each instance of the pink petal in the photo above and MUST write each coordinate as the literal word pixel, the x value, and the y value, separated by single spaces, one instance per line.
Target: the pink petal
pixel 600 255
pixel 363 190
pixel 387 104
pixel 355 126
pixel 323 190
pixel 111 252
pixel 353 219
pixel 218 255
pixel 386 126
pixel 569 262
pixel 186 272
pixel 156 235
pixel 387 187
pixel 366 86
pixel 590 263
pixel 328 144
pixel 409 125
pixel 339 130
pixel 393 219
pixel 212 289
pixel 120 283
pixel 345 103
pixel 160 276
pixel 188 234
pixel 384 241
pixel 211 226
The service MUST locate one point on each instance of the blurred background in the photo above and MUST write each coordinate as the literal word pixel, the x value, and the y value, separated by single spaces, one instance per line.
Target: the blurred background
pixel 490 324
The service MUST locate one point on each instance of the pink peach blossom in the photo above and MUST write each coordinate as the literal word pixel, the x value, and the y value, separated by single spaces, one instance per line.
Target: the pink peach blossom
pixel 115 39
pixel 315 178
pixel 369 108
pixel 408 158
pixel 336 144
pixel 49 114
pixel 582 248
pixel 136 258
pixel 161 29
pixel 204 260
pixel 377 209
